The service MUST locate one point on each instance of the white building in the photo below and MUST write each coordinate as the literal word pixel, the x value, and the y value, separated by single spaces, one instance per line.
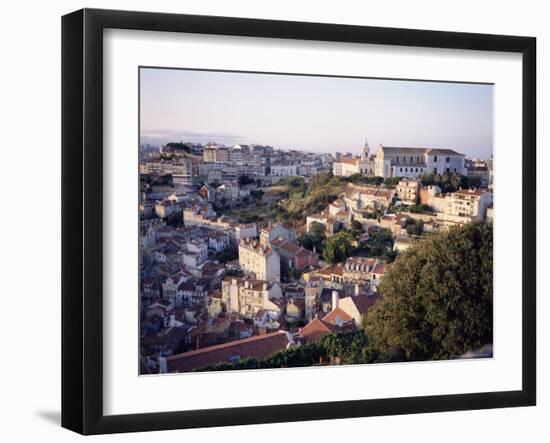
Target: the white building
pixel 284 170
pixel 195 252
pixel 461 207
pixel 218 241
pixel 412 162
pixel 260 260
pixel 407 190
pixel 248 296
pixel 245 231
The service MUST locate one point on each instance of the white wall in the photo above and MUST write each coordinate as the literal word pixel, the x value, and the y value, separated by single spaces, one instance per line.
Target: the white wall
pixel 30 108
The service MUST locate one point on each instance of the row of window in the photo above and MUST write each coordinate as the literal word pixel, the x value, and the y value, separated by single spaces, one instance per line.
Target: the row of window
pixel 447 159
pixel 415 169
pixel 405 159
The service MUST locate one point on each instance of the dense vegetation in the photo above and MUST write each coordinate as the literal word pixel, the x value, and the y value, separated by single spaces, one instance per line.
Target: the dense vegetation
pixel 414 227
pixel 420 209
pixel 338 247
pixel 314 240
pixel 438 297
pixel 450 182
pixel 306 198
pixel 347 243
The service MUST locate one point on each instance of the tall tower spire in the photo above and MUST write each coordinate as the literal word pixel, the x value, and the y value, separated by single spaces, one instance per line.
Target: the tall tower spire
pixel 365 152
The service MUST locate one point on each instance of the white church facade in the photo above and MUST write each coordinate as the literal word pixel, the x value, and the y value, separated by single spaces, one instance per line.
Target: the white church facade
pixel 406 162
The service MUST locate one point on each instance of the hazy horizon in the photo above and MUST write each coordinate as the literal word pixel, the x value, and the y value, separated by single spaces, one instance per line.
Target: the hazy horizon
pixel 310 113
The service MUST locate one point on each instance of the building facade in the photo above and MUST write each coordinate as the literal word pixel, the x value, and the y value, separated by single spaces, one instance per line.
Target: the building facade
pixel 412 162
pixel 260 260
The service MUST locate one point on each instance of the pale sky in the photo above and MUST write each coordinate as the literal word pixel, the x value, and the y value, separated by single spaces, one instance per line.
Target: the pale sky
pixel 318 114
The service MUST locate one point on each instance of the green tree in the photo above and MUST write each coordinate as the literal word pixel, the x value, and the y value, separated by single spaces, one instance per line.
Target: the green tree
pixel 414 227
pixel 245 180
pixel 356 229
pixel 379 244
pixel 338 248
pixel 315 238
pixel 257 194
pixel 438 297
pixel 450 181
pixel 360 179
pixel 392 181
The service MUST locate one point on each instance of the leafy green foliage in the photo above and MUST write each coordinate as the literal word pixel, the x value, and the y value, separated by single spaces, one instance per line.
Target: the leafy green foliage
pixel 414 227
pixel 305 355
pixel 438 297
pixel 315 238
pixel 349 347
pixel 356 229
pixel 450 181
pixel 374 214
pixel 257 194
pixel 245 180
pixel 359 179
pixel 228 254
pixel 379 244
pixel 338 247
pixel 392 181
pixel 420 209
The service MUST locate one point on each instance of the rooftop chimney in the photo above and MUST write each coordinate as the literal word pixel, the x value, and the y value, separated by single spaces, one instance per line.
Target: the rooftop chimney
pixel 335 298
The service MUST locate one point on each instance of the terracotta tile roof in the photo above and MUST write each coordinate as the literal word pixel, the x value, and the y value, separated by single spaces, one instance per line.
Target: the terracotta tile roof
pixel 316 329
pixel 290 248
pixel 364 302
pixel 333 316
pixel 298 302
pixel 380 268
pixel 258 346
pixel 260 313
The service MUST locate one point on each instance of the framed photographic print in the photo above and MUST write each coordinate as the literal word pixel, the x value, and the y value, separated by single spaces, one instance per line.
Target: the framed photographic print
pixel 268 221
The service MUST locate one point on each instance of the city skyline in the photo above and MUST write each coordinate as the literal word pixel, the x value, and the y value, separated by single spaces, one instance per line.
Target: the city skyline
pixel 298 112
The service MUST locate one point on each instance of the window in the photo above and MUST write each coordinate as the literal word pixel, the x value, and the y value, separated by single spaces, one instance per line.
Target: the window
pixel 448 169
pixel 416 170
pixel 435 158
pixel 397 159
pixel 418 159
pixel 411 159
pixel 406 169
pixel 400 169
pixel 448 159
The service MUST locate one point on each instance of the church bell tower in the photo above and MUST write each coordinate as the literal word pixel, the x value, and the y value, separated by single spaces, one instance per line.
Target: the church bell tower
pixel 365 152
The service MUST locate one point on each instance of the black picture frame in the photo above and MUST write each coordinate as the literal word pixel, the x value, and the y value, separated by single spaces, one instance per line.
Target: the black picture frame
pixel 82 218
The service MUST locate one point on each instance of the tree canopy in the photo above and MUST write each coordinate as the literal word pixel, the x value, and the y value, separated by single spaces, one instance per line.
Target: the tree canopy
pixel 338 247
pixel 315 238
pixel 450 181
pixel 438 297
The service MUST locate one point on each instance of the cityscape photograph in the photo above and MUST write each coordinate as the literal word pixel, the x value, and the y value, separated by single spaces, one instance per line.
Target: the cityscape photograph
pixel 297 220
